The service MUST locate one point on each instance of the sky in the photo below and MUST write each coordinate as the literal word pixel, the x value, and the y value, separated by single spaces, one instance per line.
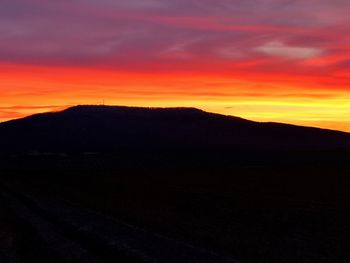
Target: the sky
pixel 265 60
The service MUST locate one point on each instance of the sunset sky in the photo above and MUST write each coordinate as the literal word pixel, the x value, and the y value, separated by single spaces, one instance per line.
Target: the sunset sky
pixel 265 60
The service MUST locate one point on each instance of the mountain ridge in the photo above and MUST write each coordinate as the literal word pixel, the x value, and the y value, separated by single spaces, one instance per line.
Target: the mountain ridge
pixel 184 109
pixel 111 128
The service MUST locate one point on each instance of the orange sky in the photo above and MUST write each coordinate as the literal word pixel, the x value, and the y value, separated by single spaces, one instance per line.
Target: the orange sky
pixel 28 90
pixel 276 60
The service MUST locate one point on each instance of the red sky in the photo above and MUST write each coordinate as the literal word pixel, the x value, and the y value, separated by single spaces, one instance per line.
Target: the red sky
pixel 266 60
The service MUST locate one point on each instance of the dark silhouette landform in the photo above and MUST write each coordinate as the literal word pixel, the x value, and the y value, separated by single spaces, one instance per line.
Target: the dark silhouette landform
pixel 126 184
pixel 114 128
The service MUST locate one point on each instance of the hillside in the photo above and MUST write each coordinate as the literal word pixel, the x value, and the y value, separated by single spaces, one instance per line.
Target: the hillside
pixel 113 128
pixel 248 191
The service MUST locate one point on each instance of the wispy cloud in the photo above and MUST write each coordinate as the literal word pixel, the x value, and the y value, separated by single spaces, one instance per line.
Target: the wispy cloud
pixel 279 49
pixel 136 51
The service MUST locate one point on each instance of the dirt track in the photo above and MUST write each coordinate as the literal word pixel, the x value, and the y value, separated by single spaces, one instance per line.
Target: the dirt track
pixel 69 234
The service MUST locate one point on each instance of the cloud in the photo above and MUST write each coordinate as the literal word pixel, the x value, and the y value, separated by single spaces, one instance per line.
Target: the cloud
pixel 279 49
pixel 135 34
pixel 206 53
pixel 248 39
pixel 18 111
pixel 31 107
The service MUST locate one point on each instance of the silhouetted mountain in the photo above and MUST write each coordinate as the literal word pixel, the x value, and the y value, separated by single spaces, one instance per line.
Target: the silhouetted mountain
pixel 112 128
pixel 255 192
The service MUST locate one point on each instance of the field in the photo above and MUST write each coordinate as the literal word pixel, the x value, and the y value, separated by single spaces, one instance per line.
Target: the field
pixel 295 210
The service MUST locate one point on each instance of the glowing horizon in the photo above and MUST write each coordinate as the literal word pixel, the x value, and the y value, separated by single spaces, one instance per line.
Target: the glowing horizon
pixel 261 60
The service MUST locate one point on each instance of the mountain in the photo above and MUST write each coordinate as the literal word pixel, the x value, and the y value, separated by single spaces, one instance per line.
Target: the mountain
pixel 253 191
pixel 114 128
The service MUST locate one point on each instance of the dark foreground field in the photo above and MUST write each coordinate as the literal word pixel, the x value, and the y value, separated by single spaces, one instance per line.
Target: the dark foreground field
pixel 292 208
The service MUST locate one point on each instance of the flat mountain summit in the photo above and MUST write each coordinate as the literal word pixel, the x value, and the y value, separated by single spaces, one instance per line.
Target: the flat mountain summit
pixel 116 128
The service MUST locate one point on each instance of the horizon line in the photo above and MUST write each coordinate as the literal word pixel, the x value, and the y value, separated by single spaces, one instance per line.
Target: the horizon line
pixel 65 107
